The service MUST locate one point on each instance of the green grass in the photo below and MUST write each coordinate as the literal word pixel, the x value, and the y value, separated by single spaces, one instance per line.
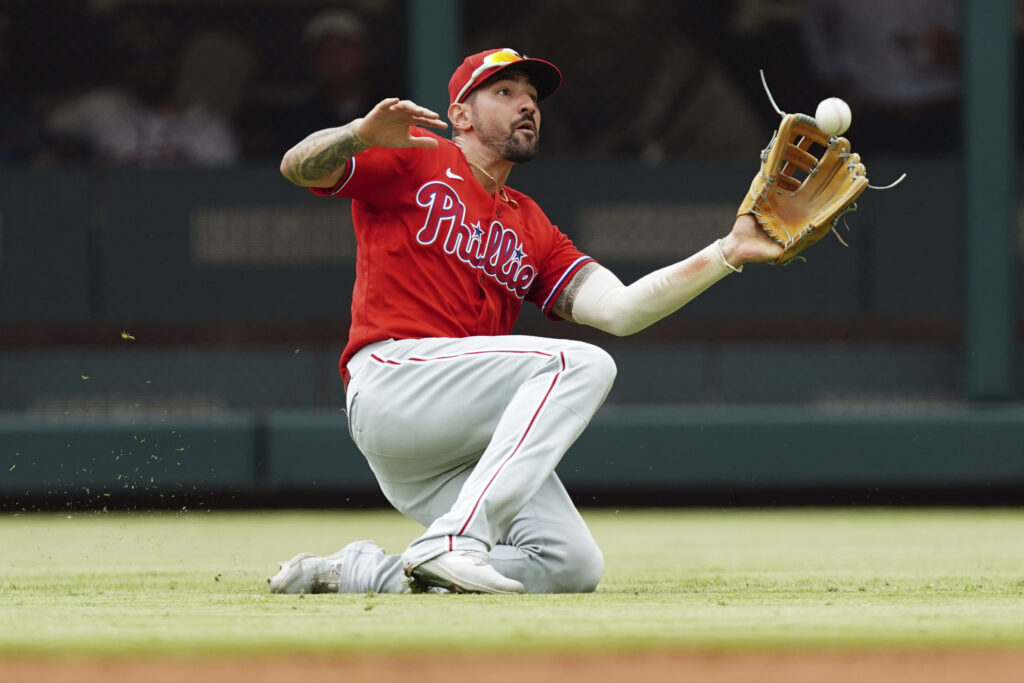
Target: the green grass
pixel 195 582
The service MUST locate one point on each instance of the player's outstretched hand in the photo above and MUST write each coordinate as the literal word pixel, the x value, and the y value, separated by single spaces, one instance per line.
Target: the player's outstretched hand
pixel 748 243
pixel 388 124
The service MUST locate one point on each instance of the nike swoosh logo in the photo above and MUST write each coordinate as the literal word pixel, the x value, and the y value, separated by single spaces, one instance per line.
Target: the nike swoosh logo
pixel 453 176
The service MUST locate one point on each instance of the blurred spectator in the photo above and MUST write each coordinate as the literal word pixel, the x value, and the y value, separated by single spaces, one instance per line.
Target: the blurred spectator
pixel 140 121
pixel 897 62
pixel 339 55
pixel 751 17
pixel 771 35
pixel 637 86
pixel 342 86
pixel 215 70
pixel 21 138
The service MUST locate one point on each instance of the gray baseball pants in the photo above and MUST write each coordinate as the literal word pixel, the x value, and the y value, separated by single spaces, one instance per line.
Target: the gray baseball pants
pixel 463 436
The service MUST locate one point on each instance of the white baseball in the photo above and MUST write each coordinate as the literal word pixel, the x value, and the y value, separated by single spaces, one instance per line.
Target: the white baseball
pixel 833 116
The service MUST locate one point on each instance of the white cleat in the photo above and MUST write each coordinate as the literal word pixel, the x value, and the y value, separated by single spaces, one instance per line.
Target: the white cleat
pixel 464 571
pixel 307 573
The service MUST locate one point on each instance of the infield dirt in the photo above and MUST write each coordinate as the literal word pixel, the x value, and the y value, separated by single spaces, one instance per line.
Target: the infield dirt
pixel 934 667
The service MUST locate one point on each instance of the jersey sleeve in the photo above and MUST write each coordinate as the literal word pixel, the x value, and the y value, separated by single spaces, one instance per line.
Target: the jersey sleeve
pixel 369 176
pixel 562 262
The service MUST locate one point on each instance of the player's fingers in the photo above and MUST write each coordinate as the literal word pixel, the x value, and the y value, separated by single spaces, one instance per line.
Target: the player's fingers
pixel 434 123
pixel 413 109
pixel 384 105
pixel 381 111
pixel 425 143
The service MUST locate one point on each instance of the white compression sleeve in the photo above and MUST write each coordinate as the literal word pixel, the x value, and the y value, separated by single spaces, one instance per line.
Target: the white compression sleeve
pixel 605 303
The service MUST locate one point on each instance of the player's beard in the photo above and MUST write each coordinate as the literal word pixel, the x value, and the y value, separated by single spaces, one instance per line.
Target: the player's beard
pixel 512 146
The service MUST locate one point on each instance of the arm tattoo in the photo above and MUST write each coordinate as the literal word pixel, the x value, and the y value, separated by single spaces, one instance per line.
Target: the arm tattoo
pixel 567 297
pixel 322 153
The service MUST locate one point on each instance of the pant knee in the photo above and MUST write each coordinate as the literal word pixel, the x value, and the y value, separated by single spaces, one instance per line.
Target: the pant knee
pixel 596 363
pixel 590 570
pixel 580 569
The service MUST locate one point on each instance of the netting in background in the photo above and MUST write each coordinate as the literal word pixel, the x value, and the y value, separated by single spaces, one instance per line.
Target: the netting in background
pixel 117 81
pixel 648 79
pixel 659 80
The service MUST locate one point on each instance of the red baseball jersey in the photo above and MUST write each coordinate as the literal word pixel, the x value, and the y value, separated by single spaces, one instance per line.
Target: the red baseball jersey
pixel 440 257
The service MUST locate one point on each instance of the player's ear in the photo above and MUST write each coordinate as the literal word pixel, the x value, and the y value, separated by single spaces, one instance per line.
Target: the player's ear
pixel 460 115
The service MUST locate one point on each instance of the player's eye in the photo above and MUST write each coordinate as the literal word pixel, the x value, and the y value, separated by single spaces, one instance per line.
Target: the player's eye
pixel 502 91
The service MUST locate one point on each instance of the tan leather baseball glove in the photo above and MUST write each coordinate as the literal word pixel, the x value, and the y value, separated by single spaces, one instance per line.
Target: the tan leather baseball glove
pixel 798 196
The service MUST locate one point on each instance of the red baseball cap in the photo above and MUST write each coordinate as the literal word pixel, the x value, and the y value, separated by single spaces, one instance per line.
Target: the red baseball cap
pixel 477 68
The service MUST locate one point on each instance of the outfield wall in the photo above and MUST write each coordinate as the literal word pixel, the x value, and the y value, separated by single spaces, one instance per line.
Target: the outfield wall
pixel 168 336
pixel 721 422
pixel 640 455
pixel 192 246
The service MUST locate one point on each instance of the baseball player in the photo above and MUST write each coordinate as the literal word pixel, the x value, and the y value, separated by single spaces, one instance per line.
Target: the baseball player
pixel 462 423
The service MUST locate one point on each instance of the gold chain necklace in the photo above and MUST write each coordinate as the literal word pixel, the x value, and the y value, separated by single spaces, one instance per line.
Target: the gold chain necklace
pixel 499 188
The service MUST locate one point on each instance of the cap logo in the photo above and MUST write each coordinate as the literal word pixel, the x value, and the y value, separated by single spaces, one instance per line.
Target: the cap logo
pixel 503 56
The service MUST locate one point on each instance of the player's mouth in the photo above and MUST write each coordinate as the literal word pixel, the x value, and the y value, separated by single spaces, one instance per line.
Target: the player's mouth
pixel 526 125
